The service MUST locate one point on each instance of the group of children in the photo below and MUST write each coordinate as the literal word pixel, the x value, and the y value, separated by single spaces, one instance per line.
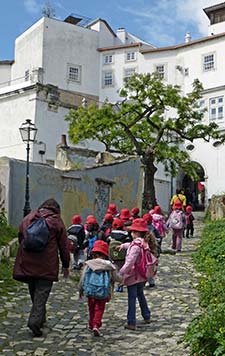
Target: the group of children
pixel 124 249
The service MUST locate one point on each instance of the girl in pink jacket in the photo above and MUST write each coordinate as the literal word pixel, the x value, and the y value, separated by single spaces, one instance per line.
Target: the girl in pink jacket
pixel 131 277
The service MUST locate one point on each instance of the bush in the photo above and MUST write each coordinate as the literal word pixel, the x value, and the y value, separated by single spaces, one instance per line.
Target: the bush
pixel 206 333
pixel 7 233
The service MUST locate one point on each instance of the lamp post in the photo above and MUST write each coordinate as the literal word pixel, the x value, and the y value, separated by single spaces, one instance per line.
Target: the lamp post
pixel 28 133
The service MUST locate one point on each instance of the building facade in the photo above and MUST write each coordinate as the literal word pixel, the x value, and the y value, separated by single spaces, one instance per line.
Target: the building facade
pixel 60 65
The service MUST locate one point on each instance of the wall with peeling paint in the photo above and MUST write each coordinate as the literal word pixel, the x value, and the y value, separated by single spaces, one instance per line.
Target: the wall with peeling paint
pixel 74 190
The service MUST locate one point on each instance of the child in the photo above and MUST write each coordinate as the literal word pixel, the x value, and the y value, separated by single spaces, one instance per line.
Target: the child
pixel 135 213
pixel 189 222
pixel 106 226
pixel 159 222
pixel 176 221
pixel 118 236
pixel 76 236
pixel 112 209
pixel 125 217
pixel 154 243
pixel 131 274
pixel 96 284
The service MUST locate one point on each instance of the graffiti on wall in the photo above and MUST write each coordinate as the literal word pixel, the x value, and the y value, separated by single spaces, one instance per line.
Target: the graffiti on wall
pixel 102 199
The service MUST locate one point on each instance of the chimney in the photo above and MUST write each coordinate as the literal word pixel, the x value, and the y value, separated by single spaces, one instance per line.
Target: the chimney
pixel 187 37
pixel 122 34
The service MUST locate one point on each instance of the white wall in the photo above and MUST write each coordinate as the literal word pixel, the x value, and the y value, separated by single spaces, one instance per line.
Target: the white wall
pixel 5 74
pixel 28 51
pixel 14 110
pixel 66 44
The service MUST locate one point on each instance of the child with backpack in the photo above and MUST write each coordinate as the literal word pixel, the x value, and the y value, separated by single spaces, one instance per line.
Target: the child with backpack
pixel 106 226
pixel 118 236
pixel 76 237
pixel 92 234
pixel 159 222
pixel 189 222
pixel 135 271
pixel 177 222
pixel 96 283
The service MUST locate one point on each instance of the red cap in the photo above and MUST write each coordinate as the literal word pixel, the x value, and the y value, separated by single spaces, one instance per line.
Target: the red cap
pixel 76 219
pixel 117 224
pixel 125 214
pixel 112 209
pixel 139 225
pixel 108 217
pixel 157 210
pixel 147 218
pixel 135 211
pixel 91 220
pixel 189 209
pixel 177 204
pixel 101 247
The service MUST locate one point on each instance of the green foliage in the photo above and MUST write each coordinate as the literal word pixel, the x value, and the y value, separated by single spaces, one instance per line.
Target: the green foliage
pixel 206 334
pixel 7 233
pixel 6 280
pixel 153 121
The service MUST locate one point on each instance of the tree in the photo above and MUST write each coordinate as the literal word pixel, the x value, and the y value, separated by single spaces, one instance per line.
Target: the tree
pixel 48 10
pixel 152 121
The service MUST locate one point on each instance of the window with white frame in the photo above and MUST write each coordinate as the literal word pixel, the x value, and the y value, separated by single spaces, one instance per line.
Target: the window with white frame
pixel 216 108
pixel 208 62
pixel 108 58
pixel 131 56
pixel 107 78
pixel 74 73
pixel 128 72
pixel 161 70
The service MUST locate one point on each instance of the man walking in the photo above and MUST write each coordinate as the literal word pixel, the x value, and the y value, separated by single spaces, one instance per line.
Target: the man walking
pixel 40 268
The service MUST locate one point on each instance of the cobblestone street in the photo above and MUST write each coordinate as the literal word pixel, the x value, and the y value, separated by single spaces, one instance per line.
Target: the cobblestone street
pixel 173 302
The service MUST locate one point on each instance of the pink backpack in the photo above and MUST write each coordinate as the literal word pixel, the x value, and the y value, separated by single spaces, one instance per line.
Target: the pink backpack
pixel 147 267
pixel 160 225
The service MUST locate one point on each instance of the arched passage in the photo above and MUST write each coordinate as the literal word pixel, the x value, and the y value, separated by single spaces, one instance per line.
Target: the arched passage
pixel 195 190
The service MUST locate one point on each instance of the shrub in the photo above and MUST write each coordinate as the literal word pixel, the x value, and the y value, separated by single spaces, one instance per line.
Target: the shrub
pixel 7 233
pixel 206 333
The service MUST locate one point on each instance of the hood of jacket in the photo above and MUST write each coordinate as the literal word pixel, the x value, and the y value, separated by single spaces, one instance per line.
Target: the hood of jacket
pixel 99 264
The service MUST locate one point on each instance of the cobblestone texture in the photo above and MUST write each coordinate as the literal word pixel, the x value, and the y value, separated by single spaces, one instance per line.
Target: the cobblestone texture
pixel 173 302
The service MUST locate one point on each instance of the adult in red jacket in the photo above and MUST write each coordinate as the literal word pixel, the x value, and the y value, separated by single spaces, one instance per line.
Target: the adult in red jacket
pixel 40 269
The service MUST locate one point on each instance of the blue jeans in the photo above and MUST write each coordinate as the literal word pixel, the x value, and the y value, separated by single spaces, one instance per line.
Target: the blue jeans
pixel 136 291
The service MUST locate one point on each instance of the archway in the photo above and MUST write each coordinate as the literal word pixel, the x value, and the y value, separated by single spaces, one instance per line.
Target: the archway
pixel 195 190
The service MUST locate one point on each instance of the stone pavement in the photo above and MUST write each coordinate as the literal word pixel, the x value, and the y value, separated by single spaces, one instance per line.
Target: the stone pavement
pixel 173 303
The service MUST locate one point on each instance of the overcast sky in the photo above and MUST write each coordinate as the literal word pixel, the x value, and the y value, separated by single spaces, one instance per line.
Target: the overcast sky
pixel 160 22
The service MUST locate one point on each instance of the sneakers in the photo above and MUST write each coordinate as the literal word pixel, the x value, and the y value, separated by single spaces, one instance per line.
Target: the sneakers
pixel 147 321
pixel 130 327
pixel 36 331
pixel 96 332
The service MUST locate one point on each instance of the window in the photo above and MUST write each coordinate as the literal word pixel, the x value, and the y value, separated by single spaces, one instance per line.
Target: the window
pixel 216 108
pixel 27 75
pixel 128 72
pixel 74 73
pixel 208 62
pixel 131 56
pixel 107 78
pixel 108 58
pixel 160 69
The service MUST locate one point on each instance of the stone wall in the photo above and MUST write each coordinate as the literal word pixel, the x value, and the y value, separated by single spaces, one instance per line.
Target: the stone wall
pixel 216 208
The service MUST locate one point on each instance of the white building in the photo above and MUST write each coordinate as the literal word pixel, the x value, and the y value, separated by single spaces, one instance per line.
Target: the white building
pixel 59 63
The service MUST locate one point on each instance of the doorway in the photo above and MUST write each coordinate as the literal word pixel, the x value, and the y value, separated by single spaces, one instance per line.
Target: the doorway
pixel 195 190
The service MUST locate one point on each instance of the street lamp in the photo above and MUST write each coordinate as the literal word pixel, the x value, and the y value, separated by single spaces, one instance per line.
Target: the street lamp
pixel 28 133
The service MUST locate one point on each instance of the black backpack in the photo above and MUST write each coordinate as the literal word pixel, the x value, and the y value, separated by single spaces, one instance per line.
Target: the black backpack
pixel 37 236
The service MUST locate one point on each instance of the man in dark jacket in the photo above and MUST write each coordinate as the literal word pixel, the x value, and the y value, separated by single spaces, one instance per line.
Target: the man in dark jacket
pixel 40 269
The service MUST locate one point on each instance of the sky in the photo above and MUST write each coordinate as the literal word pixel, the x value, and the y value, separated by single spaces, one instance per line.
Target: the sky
pixel 159 22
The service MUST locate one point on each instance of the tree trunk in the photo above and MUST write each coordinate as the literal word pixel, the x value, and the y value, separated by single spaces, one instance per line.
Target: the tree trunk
pixel 149 198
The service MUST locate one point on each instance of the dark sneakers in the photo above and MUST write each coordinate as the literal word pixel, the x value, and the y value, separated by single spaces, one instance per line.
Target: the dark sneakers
pixel 130 327
pixel 36 331
pixel 96 332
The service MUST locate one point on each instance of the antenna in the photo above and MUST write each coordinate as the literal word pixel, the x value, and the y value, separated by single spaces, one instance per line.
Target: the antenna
pixel 48 10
